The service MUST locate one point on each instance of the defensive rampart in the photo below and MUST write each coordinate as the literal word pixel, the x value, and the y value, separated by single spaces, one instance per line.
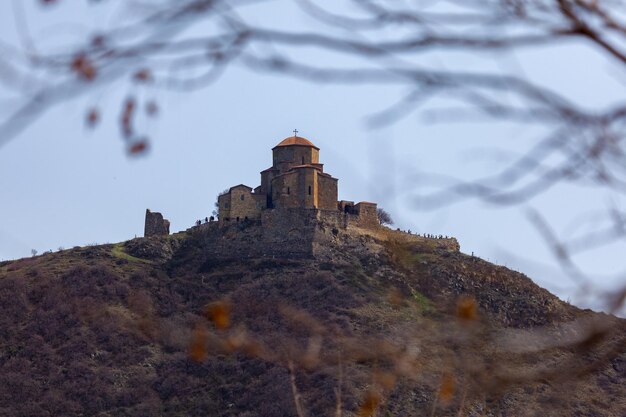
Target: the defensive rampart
pixel 293 233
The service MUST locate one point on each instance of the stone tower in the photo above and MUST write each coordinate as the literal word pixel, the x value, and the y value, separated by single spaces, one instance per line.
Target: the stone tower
pixel 296 178
pixel 155 224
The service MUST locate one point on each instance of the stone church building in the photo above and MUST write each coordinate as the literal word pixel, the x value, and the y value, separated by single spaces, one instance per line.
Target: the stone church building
pixel 296 180
pixel 295 212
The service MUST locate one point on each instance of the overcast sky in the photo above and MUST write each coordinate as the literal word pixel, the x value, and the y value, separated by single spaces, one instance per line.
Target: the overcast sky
pixel 63 184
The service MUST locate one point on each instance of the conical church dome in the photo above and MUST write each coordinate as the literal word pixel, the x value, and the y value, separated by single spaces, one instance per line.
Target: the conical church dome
pixel 296 140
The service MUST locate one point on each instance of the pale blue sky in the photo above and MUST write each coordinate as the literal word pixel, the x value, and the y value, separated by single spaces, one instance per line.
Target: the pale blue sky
pixel 64 185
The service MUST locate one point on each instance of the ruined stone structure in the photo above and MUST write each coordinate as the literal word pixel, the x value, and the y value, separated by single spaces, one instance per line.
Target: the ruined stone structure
pixel 295 181
pixel 155 224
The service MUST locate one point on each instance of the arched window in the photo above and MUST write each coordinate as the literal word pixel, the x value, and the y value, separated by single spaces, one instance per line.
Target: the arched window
pixel 309 190
pixel 303 160
pixel 288 191
pixel 242 197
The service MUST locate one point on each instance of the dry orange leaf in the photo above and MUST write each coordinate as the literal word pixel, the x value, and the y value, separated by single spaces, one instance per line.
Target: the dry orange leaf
pixel 198 350
pixel 370 404
pixel 93 116
pixel 143 75
pixel 127 116
pixel 83 67
pixel 467 308
pixel 219 313
pixel 98 41
pixel 138 147
pixel 447 388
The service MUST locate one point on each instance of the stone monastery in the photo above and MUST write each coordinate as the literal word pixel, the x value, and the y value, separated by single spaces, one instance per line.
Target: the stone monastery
pixel 296 180
pixel 294 209
pixel 293 213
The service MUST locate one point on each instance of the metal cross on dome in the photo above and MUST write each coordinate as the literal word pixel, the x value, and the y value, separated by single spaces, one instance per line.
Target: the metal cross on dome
pixel 295 133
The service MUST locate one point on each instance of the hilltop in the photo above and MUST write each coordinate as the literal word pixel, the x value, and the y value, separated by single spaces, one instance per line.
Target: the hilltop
pixel 367 323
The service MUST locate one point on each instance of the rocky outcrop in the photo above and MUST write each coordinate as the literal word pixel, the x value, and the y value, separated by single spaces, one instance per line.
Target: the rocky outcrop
pixel 156 248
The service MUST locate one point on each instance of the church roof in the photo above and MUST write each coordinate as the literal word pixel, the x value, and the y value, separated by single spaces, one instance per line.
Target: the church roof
pixel 314 166
pixel 240 186
pixel 297 141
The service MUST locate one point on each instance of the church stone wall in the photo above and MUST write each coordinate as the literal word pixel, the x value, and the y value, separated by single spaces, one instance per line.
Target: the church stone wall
pixel 260 201
pixel 223 202
pixel 310 155
pixel 286 191
pixel 307 187
pixel 327 195
pixel 286 157
pixel 155 224
pixel 242 204
pixel 266 180
pixel 282 155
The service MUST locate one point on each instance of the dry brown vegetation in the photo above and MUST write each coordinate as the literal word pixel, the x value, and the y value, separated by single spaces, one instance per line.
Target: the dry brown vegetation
pixel 384 328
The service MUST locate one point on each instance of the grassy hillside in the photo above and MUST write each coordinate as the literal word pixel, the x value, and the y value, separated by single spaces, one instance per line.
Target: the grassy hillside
pixel 154 327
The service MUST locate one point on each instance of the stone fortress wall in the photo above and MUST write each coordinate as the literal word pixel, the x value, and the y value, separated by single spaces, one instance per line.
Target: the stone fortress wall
pixel 293 233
